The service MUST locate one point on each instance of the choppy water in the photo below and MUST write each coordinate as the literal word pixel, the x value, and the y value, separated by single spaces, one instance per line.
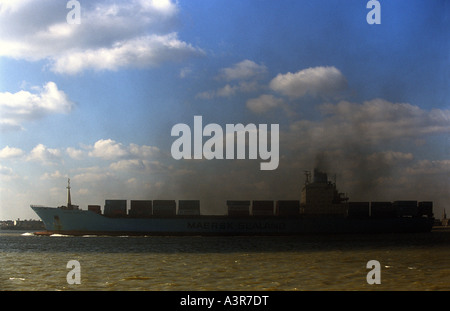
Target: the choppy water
pixel 325 262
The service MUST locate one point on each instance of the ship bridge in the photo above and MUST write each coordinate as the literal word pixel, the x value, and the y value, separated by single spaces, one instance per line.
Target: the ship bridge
pixel 321 197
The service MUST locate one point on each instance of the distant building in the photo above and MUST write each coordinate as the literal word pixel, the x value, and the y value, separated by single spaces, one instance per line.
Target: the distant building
pixel 445 220
pixel 22 225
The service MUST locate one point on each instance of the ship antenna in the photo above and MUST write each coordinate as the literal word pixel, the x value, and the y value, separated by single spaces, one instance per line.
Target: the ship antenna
pixel 308 177
pixel 69 201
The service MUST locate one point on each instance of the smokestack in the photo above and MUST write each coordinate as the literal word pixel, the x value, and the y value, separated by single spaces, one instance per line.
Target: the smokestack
pixel 320 177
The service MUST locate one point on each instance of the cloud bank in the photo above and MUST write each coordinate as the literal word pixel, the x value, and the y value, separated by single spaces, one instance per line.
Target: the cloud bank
pixel 132 34
pixel 17 108
pixel 317 81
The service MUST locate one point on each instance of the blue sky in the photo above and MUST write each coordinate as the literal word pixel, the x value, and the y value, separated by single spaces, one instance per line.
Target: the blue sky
pixel 96 101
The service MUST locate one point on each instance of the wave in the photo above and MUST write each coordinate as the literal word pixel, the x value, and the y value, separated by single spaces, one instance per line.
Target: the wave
pixel 27 234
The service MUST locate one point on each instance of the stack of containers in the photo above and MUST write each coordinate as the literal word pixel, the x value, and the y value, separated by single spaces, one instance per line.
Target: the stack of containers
pixel 164 208
pixel 382 210
pixel 189 207
pixel 358 209
pixel 115 208
pixel 287 208
pixel 95 208
pixel 141 208
pixel 426 208
pixel 262 208
pixel 238 208
pixel 406 208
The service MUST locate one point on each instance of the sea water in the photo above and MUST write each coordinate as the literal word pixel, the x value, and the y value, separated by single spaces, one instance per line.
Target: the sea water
pixel 419 261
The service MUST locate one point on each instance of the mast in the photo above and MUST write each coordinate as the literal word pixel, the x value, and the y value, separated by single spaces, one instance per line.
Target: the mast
pixel 307 177
pixel 69 201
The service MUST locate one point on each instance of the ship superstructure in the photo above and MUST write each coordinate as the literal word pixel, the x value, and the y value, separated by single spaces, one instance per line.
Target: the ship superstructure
pixel 321 197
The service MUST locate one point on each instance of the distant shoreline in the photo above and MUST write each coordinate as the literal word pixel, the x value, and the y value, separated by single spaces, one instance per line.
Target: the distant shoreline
pixel 22 224
pixel 440 228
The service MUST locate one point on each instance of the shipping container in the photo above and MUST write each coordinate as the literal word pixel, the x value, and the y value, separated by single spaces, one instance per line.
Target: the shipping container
pixel 115 208
pixel 164 208
pixel 358 209
pixel 262 208
pixel 425 208
pixel 95 208
pixel 189 207
pixel 238 202
pixel 238 208
pixel 287 208
pixel 382 210
pixel 406 208
pixel 141 208
pixel 189 204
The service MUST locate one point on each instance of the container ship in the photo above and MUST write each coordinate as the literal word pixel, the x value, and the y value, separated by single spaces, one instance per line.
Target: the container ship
pixel 321 209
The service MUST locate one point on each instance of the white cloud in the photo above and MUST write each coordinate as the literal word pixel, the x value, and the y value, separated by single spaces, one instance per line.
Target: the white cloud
pixel 83 192
pixel 15 108
pixel 241 77
pixel 143 151
pixel 7 173
pixel 241 87
pixel 108 149
pixel 111 35
pixel 264 103
pixel 206 95
pixel 164 7
pixel 132 182
pixel 429 167
pixel 55 175
pixel 91 177
pixel 139 52
pixel 7 6
pixel 5 170
pixel 128 165
pixel 243 70
pixel 379 119
pixel 44 155
pixel 227 91
pixel 317 81
pixel 76 154
pixel 10 126
pixel 8 152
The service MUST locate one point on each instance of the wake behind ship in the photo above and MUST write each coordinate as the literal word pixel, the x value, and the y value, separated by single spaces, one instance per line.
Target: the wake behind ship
pixel 321 209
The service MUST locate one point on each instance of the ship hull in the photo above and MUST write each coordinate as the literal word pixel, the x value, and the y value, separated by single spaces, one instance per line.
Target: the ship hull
pixel 82 222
